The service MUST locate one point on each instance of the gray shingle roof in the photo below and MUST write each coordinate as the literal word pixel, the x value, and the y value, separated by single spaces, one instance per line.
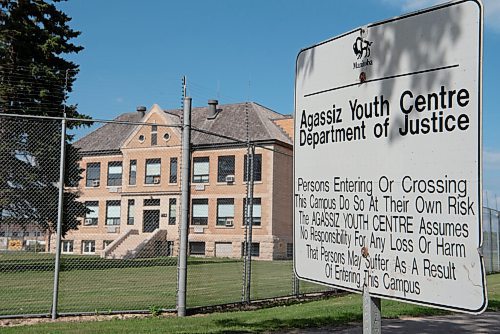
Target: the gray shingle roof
pixel 230 122
pixel 110 136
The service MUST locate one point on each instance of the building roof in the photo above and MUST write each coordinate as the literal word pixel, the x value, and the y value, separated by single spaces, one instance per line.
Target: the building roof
pixel 110 136
pixel 230 122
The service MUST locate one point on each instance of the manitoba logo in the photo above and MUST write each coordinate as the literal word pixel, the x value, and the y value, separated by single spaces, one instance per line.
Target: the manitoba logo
pixel 361 49
pixel 361 46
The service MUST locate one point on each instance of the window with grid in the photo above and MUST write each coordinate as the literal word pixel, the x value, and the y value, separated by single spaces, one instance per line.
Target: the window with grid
pixel 151 202
pixel 93 174
pixel 201 169
pixel 196 248
pixel 200 211
pixel 132 176
pixel 112 212
pixel 154 135
pixel 92 215
pixel 225 211
pixel 131 212
pixel 114 173
pixel 153 171
pixel 225 167
pixel 254 249
pixel 172 211
pixel 88 246
pixel 173 170
pixel 67 246
pixel 256 212
pixel 289 250
pixel 257 168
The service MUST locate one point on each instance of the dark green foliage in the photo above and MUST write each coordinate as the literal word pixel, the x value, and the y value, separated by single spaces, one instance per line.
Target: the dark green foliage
pixel 34 80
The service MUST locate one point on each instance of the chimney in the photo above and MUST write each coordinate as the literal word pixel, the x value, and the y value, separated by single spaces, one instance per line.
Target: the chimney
pixel 141 110
pixel 212 109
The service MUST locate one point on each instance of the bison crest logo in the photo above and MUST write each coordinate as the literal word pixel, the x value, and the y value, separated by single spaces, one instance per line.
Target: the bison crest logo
pixel 361 46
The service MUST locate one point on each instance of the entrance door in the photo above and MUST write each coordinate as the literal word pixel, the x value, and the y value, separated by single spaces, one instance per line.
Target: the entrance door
pixel 150 220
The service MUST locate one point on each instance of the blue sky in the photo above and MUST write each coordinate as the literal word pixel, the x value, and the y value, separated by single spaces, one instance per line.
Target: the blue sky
pixel 136 53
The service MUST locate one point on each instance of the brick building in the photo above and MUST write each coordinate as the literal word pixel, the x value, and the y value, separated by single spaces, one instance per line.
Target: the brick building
pixel 131 184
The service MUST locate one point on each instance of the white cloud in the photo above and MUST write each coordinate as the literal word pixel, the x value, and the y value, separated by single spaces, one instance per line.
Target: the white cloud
pixel 491 9
pixel 119 99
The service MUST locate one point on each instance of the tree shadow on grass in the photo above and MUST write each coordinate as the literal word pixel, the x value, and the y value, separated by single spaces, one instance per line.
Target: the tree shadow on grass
pixel 275 324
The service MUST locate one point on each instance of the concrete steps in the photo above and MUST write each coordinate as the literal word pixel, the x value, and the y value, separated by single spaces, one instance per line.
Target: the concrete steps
pixel 132 245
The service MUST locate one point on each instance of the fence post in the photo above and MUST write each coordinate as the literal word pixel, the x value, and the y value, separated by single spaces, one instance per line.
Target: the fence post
pixel 498 240
pixel 295 285
pixel 185 192
pixel 62 166
pixel 250 222
pixel 491 242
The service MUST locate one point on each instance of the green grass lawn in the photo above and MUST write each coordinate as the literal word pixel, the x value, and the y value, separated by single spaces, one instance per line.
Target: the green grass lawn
pixel 136 287
pixel 333 311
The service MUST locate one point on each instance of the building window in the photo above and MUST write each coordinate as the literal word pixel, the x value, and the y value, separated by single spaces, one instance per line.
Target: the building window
pixel 200 211
pixel 93 174
pixel 225 167
pixel 172 211
pixel 196 248
pixel 289 250
pixel 88 246
pixel 201 169
pixel 106 243
pixel 112 212
pixel 132 176
pixel 115 173
pixel 256 212
pixel 154 135
pixel 67 246
pixel 153 171
pixel 257 168
pixel 173 170
pixel 92 215
pixel 254 250
pixel 151 202
pixel 131 212
pixel 225 211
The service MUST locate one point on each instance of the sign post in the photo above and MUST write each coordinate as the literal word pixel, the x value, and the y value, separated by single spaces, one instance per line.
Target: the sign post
pixel 387 160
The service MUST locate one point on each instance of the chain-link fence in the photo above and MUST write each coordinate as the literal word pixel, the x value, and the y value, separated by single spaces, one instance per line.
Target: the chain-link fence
pixel 491 241
pixel 120 216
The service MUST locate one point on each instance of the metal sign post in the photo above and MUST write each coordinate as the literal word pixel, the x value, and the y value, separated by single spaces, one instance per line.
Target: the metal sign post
pixel 372 320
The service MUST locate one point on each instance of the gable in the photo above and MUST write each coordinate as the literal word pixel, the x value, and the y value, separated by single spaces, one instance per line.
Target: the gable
pixel 159 125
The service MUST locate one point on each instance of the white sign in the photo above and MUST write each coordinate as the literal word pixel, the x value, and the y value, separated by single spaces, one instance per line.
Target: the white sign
pixel 387 161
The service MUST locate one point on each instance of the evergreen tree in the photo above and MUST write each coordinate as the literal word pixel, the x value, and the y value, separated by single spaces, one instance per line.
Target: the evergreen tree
pixel 34 80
